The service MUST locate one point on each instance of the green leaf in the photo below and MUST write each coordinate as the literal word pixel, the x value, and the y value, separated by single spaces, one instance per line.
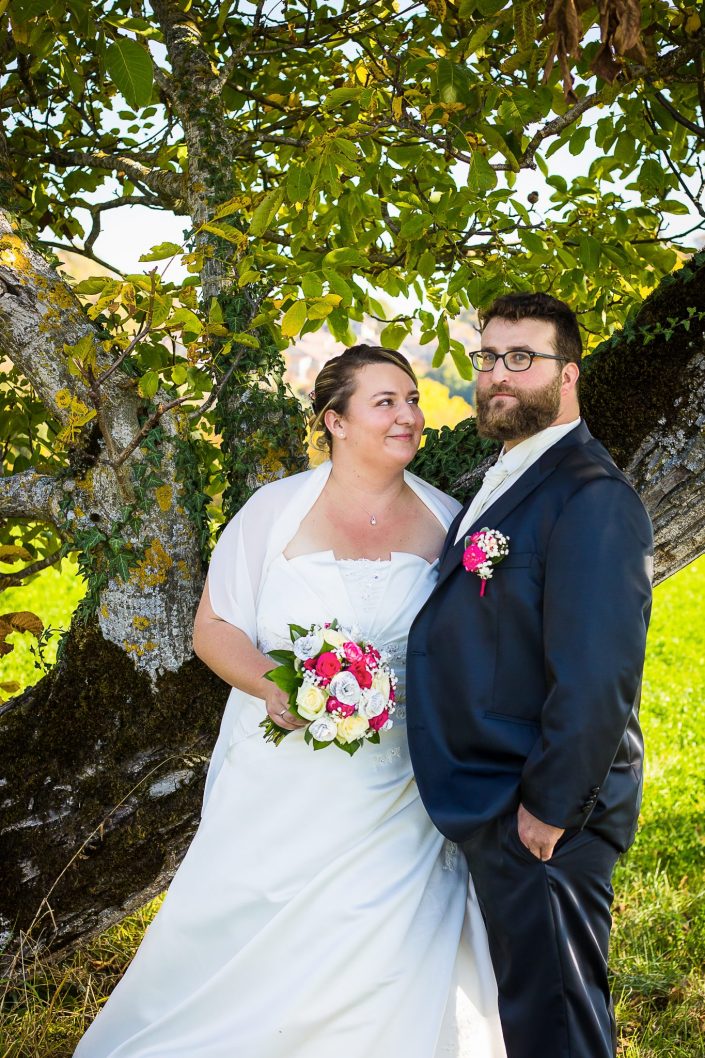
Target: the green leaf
pixel 448 81
pixel 284 678
pixel 393 335
pixel 266 211
pixel 298 183
pixel 589 251
pixel 341 95
pixel 461 360
pixel 162 251
pixel 294 319
pixel 178 374
pixel 284 657
pixel 226 231
pixel 344 255
pixel 481 175
pixel 130 68
pixel 148 384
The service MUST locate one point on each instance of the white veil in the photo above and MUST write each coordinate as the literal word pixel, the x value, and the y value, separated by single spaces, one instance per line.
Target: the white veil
pixel 251 541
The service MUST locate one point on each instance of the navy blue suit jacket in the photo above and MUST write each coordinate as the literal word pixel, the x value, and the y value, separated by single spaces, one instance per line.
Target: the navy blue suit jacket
pixel 530 693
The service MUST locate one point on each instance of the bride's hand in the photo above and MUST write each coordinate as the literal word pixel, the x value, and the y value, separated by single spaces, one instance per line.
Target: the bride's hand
pixel 277 702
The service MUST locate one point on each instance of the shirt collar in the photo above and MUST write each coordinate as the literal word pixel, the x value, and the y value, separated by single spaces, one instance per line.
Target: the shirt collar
pixel 532 447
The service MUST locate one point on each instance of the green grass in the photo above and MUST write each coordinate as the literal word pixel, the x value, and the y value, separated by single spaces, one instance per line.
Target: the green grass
pixel 52 595
pixel 658 951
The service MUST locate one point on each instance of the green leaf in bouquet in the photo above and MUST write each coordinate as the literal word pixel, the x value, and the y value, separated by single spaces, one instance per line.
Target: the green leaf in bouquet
pixel 349 747
pixel 284 657
pixel 374 738
pixel 296 631
pixel 284 678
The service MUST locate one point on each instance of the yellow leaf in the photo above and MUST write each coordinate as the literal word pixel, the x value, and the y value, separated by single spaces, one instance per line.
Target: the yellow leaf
pixel 13 553
pixel 294 319
pixel 397 106
pixel 693 23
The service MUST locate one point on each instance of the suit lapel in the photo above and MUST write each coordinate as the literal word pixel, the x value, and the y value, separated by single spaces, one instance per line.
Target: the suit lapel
pixel 497 511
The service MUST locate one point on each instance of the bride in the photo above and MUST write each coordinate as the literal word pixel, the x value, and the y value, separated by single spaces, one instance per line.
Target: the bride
pixel 317 912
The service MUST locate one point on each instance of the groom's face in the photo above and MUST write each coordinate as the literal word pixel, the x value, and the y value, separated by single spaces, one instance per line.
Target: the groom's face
pixel 513 405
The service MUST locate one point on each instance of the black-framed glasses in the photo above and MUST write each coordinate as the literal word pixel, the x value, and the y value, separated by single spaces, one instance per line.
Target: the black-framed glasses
pixel 516 360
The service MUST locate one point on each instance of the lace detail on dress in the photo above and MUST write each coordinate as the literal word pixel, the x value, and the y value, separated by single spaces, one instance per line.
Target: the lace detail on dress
pixel 387 758
pixel 267 640
pixel 450 855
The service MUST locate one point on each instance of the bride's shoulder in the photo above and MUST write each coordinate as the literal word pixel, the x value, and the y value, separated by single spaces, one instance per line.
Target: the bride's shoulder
pixel 275 495
pixel 433 495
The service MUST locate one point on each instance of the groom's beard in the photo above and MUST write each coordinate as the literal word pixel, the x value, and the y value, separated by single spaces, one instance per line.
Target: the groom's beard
pixel 534 410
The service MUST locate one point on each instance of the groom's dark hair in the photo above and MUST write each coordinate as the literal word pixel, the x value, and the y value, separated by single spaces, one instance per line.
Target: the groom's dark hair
pixel 540 306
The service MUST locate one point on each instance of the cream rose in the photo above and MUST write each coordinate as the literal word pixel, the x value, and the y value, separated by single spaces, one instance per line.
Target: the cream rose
pixel 310 701
pixel 324 729
pixel 335 637
pixel 380 682
pixel 351 728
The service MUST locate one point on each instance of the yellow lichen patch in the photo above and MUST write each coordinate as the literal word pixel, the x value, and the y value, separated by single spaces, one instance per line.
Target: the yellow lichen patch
pixel 104 611
pixel 183 569
pixel 164 496
pixel 12 253
pixel 132 648
pixel 140 622
pixel 153 568
pixel 150 645
pixel 62 398
pixel 79 512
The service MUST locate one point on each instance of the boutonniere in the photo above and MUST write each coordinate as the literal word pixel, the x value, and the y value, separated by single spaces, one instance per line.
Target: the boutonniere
pixel 483 551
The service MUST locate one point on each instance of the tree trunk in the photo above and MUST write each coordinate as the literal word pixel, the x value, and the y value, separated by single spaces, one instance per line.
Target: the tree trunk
pixel 108 753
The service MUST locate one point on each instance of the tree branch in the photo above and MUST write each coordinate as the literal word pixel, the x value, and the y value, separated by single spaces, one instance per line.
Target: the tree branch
pixel 170 187
pixel 32 495
pixel 15 580
pixel 39 315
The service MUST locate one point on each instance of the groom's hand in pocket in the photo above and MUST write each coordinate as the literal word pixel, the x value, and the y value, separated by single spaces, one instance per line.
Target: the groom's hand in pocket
pixel 538 837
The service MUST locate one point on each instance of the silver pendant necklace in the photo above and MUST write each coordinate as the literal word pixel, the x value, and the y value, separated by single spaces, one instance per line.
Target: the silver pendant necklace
pixel 370 514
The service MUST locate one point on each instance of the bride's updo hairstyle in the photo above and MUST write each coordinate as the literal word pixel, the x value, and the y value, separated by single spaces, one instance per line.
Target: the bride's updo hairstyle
pixel 335 385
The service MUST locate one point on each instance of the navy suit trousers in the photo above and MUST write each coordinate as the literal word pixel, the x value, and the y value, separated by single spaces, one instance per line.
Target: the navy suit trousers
pixel 548 926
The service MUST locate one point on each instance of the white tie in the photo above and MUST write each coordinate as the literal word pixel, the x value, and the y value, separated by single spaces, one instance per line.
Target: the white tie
pixel 494 477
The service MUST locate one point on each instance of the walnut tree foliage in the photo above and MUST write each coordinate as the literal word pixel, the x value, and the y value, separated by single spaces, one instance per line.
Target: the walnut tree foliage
pixel 323 156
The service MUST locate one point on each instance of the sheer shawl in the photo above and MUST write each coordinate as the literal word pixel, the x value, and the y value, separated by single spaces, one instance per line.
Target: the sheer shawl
pixel 250 542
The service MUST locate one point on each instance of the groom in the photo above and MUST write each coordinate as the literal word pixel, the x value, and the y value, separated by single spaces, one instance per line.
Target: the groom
pixel 522 697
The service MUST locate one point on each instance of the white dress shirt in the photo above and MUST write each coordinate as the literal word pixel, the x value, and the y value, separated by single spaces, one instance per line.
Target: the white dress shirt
pixel 509 468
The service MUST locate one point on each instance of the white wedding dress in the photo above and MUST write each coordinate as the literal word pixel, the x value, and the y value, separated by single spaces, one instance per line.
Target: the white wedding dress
pixel 318 912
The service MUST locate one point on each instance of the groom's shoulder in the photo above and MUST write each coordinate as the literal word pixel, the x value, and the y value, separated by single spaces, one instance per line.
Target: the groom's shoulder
pixel 588 463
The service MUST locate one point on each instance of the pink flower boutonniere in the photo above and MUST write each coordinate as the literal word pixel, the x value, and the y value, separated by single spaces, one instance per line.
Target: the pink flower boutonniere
pixel 483 551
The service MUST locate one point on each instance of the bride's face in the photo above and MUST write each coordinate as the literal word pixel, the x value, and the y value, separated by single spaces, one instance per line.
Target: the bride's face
pixel 383 421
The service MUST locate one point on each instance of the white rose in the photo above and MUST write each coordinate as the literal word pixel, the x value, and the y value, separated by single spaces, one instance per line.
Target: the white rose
pixel 309 646
pixel 335 637
pixel 310 701
pixel 374 703
pixel 351 728
pixel 324 729
pixel 345 688
pixel 381 683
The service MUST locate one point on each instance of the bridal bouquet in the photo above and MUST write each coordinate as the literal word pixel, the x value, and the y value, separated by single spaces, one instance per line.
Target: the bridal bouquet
pixel 341 685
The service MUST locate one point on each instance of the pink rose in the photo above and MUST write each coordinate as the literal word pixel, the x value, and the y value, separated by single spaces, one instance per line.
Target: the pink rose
pixel 352 651
pixel 378 722
pixel 361 673
pixel 334 706
pixel 310 664
pixel 328 664
pixel 473 557
pixel 372 657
